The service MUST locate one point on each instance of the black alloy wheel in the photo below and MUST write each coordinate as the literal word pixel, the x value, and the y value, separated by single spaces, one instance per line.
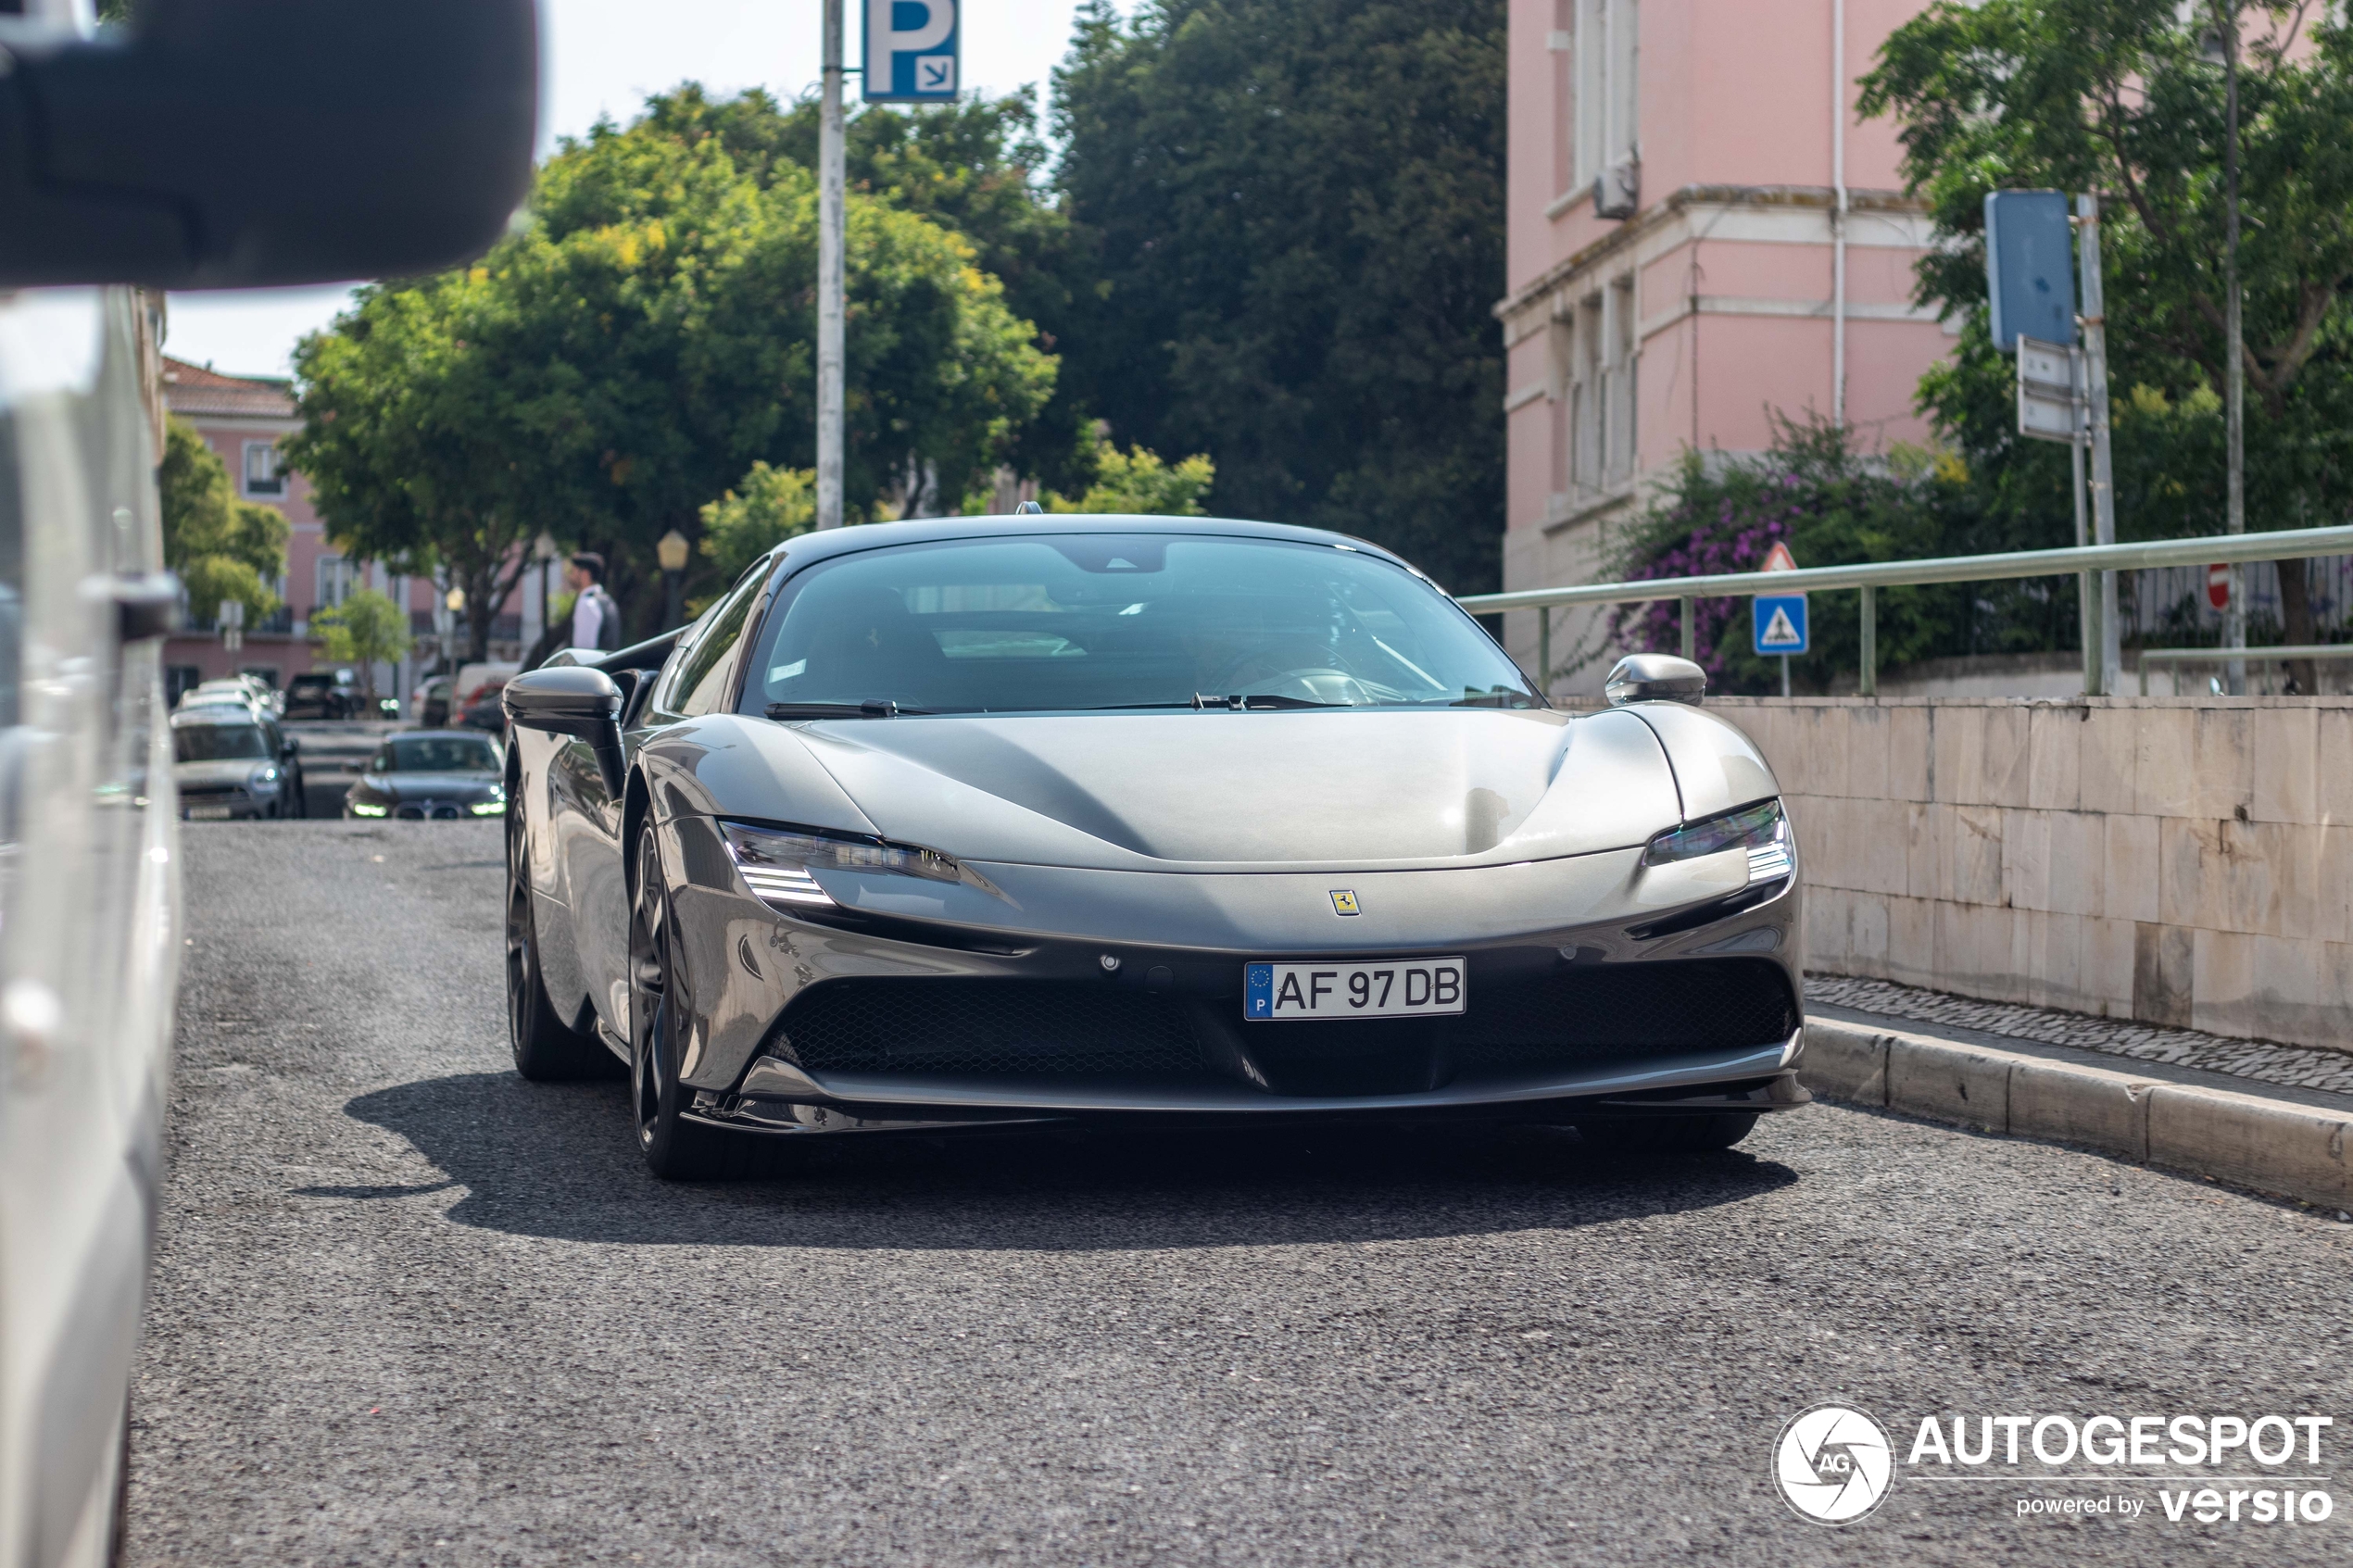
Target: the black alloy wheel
pixel 676 1148
pixel 546 1048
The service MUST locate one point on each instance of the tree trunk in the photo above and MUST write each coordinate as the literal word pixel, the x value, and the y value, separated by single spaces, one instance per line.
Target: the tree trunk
pixel 2295 612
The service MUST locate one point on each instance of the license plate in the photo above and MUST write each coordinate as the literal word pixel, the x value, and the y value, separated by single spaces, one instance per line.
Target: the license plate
pixel 208 813
pixel 1280 993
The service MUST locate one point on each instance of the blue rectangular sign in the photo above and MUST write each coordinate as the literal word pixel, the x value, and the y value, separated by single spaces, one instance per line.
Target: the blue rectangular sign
pixel 911 51
pixel 1779 621
pixel 2030 266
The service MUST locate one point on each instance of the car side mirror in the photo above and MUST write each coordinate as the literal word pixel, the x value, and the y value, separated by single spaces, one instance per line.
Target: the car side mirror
pixel 294 746
pixel 572 700
pixel 1655 677
pixel 240 144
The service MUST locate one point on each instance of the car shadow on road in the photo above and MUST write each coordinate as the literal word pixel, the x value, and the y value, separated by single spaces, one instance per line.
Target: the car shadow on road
pixel 557 1160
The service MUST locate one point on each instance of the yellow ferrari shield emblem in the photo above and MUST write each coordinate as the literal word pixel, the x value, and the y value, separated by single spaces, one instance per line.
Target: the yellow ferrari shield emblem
pixel 1344 901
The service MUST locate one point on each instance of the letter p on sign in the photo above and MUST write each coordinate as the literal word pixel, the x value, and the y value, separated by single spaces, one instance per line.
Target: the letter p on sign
pixel 911 50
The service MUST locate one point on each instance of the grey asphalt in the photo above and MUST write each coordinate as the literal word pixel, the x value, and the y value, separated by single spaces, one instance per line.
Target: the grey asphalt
pixel 408 1309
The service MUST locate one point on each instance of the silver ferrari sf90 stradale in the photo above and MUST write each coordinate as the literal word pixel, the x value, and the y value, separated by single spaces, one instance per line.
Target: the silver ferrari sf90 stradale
pixel 968 822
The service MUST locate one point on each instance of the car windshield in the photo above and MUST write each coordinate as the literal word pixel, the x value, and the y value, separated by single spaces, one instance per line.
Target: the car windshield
pixel 219 743
pixel 311 682
pixel 437 754
pixel 1115 620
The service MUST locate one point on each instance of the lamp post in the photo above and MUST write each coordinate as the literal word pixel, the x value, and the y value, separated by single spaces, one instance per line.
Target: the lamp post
pixel 543 552
pixel 671 553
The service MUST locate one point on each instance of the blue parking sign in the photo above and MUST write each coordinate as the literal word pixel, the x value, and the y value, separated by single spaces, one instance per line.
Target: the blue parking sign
pixel 911 49
pixel 1780 622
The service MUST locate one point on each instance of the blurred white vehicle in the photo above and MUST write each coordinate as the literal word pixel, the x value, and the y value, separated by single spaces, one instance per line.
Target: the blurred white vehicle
pixel 216 143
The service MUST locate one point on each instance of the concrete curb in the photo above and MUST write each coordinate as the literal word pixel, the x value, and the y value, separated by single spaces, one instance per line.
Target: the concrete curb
pixel 2273 1146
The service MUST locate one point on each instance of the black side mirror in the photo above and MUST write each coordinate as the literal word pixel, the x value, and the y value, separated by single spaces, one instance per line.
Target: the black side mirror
pixel 572 700
pixel 237 144
pixel 294 746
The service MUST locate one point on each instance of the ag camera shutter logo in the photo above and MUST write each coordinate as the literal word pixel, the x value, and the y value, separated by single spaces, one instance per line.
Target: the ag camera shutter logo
pixel 911 49
pixel 1834 1463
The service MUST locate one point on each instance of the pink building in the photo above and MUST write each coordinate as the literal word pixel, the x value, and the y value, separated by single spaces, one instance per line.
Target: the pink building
pixel 1700 235
pixel 243 419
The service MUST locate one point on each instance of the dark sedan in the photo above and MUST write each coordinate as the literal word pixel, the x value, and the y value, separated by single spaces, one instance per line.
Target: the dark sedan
pixel 432 775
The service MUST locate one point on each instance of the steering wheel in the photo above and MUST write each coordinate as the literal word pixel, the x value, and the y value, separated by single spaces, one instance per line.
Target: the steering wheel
pixel 1291 667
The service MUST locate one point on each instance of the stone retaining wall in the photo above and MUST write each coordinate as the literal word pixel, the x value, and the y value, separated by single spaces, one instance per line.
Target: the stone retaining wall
pixel 2186 861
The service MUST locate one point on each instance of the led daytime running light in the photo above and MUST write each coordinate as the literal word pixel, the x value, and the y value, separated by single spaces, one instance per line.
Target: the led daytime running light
pixel 776 863
pixel 1761 829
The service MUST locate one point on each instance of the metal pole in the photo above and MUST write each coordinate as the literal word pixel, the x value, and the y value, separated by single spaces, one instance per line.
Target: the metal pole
pixel 1691 629
pixel 829 276
pixel 1544 652
pixel 2087 212
pixel 2087 611
pixel 1838 212
pixel 1867 682
pixel 1785 674
pixel 2235 376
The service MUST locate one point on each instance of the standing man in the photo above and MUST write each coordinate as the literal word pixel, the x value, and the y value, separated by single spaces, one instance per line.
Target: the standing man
pixel 596 619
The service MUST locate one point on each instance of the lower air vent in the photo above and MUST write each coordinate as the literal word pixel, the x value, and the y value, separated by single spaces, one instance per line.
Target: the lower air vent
pixel 988 1029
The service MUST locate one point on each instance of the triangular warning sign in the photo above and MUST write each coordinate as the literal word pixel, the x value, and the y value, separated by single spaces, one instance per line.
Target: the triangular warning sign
pixel 1778 559
pixel 1779 632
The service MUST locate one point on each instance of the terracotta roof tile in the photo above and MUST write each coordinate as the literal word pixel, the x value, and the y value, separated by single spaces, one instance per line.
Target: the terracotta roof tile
pixel 194 389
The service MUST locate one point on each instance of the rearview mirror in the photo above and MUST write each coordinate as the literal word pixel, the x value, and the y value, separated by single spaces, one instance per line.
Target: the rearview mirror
pixel 571 700
pixel 238 144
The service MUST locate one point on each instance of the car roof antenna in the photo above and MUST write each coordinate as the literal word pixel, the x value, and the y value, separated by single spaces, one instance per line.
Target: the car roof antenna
pixel 1029 508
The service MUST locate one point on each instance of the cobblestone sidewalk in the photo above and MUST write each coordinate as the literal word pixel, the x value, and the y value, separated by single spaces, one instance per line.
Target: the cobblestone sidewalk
pixel 2296 1066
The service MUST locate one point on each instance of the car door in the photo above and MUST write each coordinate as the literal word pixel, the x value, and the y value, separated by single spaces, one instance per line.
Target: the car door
pixel 89 916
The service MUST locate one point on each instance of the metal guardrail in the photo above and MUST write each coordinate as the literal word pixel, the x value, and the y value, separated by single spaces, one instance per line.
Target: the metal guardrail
pixel 2225 656
pixel 2287 544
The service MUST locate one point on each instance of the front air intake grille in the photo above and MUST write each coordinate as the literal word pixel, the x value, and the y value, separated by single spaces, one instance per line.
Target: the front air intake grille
pixel 1529 1016
pixel 988 1029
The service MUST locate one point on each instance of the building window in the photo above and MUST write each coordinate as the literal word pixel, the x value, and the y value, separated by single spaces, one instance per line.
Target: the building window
pixel 1606 57
pixel 1592 344
pixel 265 480
pixel 334 581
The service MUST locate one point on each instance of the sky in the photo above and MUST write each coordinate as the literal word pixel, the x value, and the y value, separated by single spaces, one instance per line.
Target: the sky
pixel 601 57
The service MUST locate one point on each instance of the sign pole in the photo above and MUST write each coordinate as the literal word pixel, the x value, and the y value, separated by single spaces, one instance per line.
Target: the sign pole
pixel 2235 377
pixel 2087 213
pixel 830 249
pixel 2086 614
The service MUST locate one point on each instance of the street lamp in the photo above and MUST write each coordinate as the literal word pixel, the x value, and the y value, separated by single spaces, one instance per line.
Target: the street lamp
pixel 671 553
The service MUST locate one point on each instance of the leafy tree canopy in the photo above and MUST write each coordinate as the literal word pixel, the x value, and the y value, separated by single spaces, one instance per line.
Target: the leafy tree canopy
pixel 223 548
pixel 629 354
pixel 2126 98
pixel 1296 209
pixel 367 629
pixel 1138 481
pixel 769 505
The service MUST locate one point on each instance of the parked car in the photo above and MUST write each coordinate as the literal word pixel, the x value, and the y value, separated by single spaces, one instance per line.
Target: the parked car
pixel 432 775
pixel 229 762
pixel 250 688
pixel 429 703
pixel 474 694
pixel 324 694
pixel 131 157
pixel 1226 820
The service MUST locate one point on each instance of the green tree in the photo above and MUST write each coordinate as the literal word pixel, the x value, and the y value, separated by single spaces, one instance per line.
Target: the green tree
pixel 769 505
pixel 628 356
pixel 223 548
pixel 367 629
pixel 1139 482
pixel 1298 211
pixel 2125 97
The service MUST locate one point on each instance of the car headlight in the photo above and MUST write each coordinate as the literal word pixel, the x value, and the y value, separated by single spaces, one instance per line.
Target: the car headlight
pixel 264 782
pixel 1761 829
pixel 369 809
pixel 489 807
pixel 776 862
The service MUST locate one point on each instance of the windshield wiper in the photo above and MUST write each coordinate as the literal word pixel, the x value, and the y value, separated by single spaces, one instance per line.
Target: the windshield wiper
pixel 1262 701
pixel 874 707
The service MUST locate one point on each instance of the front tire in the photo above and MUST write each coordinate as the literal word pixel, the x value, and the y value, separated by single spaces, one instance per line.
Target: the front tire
pixel 676 1148
pixel 546 1048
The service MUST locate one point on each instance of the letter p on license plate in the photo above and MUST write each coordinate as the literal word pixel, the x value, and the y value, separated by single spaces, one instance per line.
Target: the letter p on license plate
pixel 1275 993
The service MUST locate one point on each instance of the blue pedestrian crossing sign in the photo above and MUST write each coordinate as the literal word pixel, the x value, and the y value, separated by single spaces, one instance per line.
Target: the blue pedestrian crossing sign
pixel 911 50
pixel 1780 622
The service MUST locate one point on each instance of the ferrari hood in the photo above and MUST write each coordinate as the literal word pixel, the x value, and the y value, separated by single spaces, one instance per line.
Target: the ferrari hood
pixel 1225 791
pixel 467 786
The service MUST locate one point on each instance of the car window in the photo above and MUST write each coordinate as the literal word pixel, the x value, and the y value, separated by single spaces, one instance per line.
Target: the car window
pixel 442 754
pixel 219 743
pixel 700 684
pixel 1066 622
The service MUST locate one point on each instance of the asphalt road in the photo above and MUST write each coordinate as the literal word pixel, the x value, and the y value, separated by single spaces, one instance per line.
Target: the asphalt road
pixel 410 1309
